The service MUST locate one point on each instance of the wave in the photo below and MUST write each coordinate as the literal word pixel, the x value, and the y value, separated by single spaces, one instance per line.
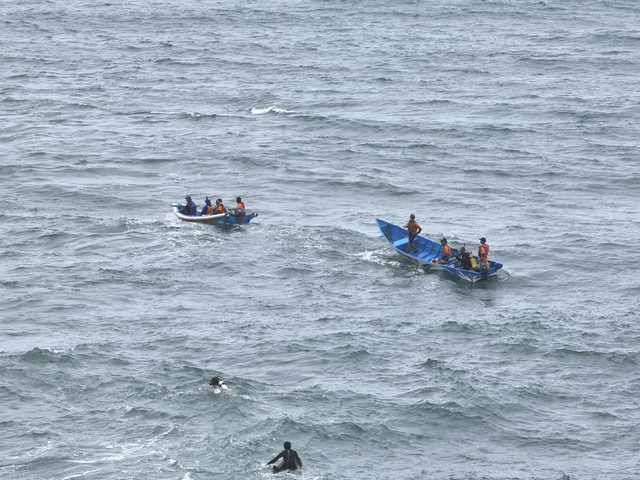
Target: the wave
pixel 271 109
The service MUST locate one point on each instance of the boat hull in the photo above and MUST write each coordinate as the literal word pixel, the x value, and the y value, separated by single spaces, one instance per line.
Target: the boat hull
pixel 427 250
pixel 221 219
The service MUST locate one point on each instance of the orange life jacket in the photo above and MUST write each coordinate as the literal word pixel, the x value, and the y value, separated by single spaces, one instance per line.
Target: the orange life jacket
pixel 483 253
pixel 446 251
pixel 220 208
pixel 240 205
pixel 208 210
pixel 412 226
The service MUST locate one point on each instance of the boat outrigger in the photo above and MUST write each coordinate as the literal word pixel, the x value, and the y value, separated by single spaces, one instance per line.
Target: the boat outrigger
pixel 428 250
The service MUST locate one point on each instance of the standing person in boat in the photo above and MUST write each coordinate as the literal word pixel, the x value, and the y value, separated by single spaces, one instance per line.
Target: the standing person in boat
pixel 208 208
pixel 446 253
pixel 190 207
pixel 290 459
pixel 220 206
pixel 240 210
pixel 483 255
pixel 414 229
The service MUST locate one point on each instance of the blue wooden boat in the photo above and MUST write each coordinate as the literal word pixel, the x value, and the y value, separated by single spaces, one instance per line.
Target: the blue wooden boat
pixel 226 219
pixel 428 250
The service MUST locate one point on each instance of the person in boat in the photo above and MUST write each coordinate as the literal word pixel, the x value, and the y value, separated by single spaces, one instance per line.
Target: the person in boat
pixel 414 229
pixel 240 204
pixel 219 207
pixel 217 383
pixel 290 459
pixel 446 253
pixel 240 210
pixel 463 259
pixel 483 255
pixel 190 207
pixel 208 208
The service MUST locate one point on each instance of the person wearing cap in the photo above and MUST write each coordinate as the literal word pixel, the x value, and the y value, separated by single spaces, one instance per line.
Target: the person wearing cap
pixel 190 207
pixel 414 229
pixel 483 255
pixel 446 253
pixel 208 208
pixel 290 459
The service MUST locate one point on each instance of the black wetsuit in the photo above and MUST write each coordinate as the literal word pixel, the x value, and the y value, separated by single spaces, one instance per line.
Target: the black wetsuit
pixel 464 261
pixel 291 461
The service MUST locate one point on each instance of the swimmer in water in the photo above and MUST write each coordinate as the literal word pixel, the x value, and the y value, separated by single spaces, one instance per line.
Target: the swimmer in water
pixel 290 459
pixel 217 383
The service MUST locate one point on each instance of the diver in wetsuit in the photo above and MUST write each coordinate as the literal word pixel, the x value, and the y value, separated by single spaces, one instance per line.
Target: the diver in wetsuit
pixel 290 459
pixel 463 260
pixel 217 383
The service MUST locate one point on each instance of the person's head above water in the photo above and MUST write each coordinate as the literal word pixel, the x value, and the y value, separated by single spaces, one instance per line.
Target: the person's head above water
pixel 287 445
pixel 215 381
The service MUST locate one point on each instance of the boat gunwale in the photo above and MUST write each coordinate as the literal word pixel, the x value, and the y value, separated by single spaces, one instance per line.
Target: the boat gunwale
pixel 468 275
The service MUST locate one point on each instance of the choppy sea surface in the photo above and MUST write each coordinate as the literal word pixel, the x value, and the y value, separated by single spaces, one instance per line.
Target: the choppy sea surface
pixel 514 120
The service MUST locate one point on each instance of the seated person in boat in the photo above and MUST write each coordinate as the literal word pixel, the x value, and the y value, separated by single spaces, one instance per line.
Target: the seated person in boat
pixel 190 207
pixel 446 253
pixel 464 259
pixel 208 208
pixel 219 207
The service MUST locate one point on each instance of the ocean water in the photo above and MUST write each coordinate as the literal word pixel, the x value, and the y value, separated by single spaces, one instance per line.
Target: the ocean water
pixel 513 120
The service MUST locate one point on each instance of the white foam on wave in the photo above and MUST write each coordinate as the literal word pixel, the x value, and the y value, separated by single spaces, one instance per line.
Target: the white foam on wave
pixel 374 257
pixel 109 458
pixel 80 475
pixel 273 108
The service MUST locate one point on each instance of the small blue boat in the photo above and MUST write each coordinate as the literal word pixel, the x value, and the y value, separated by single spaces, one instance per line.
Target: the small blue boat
pixel 428 250
pixel 226 219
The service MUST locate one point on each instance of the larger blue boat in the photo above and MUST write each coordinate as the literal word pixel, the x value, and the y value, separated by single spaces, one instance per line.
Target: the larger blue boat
pixel 428 250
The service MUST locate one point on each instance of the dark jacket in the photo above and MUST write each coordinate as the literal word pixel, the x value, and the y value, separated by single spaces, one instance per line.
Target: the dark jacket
pixel 189 209
pixel 464 261
pixel 291 460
